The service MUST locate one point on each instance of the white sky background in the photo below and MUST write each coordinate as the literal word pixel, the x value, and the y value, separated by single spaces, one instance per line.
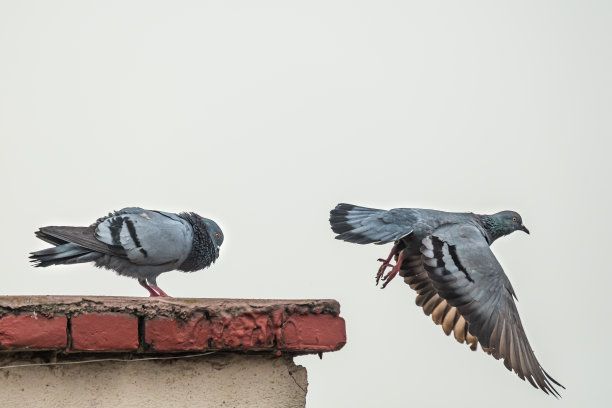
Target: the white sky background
pixel 263 115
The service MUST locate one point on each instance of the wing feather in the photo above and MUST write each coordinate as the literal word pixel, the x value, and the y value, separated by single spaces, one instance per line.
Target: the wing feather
pixel 147 237
pixel 82 236
pixel 483 296
pixel 441 312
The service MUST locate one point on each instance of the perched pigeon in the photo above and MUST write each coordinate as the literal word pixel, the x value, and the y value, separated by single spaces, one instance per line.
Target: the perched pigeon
pixel 136 242
pixel 445 257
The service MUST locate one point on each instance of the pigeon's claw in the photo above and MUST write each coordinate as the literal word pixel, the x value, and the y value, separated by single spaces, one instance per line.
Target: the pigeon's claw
pixel 381 270
pixel 386 263
pixel 393 272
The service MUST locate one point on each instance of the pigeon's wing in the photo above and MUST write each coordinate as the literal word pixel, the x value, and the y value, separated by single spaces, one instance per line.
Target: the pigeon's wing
pixel 85 237
pixel 363 225
pixel 81 236
pixel 466 274
pixel 415 275
pixel 147 237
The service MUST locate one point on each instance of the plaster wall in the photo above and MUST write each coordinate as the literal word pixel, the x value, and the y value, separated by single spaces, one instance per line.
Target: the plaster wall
pixel 217 380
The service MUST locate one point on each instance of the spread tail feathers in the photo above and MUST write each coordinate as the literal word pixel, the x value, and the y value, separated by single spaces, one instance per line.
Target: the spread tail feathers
pixel 363 225
pixel 351 223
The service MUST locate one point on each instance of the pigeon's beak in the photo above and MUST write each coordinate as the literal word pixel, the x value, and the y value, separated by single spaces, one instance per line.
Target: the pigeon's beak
pixel 524 228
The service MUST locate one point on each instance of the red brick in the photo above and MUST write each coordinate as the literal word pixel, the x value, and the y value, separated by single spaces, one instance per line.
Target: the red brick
pixel 104 332
pixel 247 331
pixel 313 332
pixel 32 331
pixel 172 335
pixel 244 332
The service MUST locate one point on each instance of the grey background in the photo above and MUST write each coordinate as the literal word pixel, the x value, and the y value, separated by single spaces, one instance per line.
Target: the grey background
pixel 263 115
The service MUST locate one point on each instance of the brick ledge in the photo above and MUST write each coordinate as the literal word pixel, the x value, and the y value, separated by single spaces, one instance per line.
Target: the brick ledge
pixel 166 325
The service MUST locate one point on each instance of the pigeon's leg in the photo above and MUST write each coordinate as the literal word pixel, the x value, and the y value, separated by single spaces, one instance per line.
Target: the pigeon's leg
pixel 159 291
pixel 398 264
pixel 144 284
pixel 386 263
pixel 153 284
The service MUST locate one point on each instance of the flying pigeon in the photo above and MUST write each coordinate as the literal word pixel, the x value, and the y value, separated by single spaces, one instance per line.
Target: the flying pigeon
pixel 135 242
pixel 445 257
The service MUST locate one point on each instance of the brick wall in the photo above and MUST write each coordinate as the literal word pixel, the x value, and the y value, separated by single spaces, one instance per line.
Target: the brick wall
pixel 150 325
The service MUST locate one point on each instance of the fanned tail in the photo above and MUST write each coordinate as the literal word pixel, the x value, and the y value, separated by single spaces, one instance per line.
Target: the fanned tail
pixel 350 222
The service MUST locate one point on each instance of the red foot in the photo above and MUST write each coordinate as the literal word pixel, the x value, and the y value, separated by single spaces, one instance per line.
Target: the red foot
pixel 159 291
pixel 396 268
pixel 152 293
pixel 386 264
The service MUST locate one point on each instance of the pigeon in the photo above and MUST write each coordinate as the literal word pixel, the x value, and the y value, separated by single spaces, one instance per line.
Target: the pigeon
pixel 445 257
pixel 135 242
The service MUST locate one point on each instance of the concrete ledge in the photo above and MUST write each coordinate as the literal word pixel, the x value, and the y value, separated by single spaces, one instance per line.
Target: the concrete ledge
pixel 215 380
pixel 166 325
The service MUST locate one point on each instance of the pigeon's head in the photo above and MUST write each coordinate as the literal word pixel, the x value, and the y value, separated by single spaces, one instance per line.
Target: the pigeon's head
pixel 215 233
pixel 508 222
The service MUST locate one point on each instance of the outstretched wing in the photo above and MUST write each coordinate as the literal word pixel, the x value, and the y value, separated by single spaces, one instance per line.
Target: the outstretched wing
pixel 466 274
pixel 363 225
pixel 415 275
pixel 147 237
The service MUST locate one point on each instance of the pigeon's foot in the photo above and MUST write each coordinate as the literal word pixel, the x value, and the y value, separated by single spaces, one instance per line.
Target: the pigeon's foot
pixel 144 284
pixel 386 263
pixel 159 291
pixel 393 272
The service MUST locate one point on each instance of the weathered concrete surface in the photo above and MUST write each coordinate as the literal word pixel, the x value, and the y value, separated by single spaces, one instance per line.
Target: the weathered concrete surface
pixel 216 380
pixel 181 308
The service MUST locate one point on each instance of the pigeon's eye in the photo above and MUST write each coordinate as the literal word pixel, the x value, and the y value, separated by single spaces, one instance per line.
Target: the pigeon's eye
pixel 217 235
pixel 514 219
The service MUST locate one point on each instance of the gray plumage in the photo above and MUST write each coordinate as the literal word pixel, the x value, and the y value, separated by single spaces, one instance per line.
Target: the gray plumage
pixel 445 257
pixel 135 242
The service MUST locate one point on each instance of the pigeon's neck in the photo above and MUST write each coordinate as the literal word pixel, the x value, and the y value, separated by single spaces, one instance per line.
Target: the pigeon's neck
pixel 203 251
pixel 492 227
